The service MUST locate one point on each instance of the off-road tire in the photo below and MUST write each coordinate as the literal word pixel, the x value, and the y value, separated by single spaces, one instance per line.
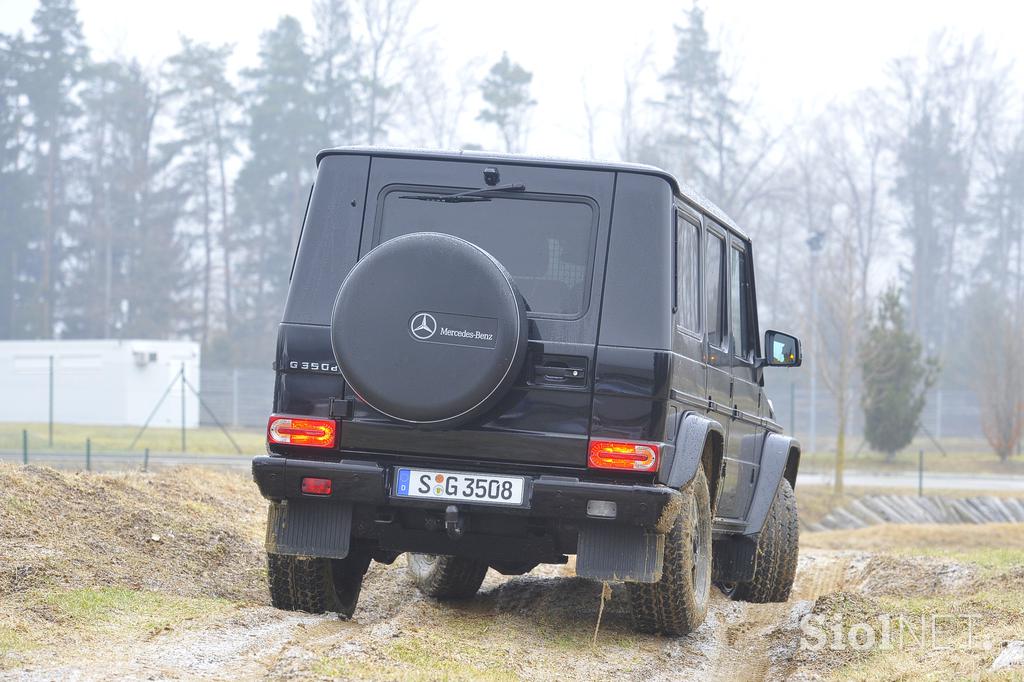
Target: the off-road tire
pixel 446 577
pixel 678 603
pixel 316 585
pixel 777 551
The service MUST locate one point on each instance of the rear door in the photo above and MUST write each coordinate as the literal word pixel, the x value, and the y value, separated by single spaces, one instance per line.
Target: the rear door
pixel 549 238
pixel 745 431
pixel 689 371
pixel 719 381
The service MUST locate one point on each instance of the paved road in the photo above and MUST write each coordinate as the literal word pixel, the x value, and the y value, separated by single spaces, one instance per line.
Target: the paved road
pixel 108 461
pixel 932 481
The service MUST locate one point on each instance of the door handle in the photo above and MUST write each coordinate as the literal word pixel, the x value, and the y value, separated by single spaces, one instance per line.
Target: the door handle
pixel 553 372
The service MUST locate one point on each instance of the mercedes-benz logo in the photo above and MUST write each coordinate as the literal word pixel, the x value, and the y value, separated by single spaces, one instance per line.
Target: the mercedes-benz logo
pixel 423 326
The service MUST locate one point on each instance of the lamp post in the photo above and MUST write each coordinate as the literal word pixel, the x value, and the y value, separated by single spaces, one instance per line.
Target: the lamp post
pixel 814 243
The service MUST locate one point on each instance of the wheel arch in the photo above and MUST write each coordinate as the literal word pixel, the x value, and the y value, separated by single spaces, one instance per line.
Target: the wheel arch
pixel 700 441
pixel 780 460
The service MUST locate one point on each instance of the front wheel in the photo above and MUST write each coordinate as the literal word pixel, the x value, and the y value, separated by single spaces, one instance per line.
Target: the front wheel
pixel 778 547
pixel 677 604
pixel 446 577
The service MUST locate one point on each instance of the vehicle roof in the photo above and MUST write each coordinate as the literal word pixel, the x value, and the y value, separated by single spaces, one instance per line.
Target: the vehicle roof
pixel 681 189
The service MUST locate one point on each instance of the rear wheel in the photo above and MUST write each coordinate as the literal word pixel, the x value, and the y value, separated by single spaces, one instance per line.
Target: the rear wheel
pixel 777 550
pixel 446 577
pixel 677 604
pixel 316 585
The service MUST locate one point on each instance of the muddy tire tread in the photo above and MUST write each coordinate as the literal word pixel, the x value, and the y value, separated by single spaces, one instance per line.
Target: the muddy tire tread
pixel 668 606
pixel 450 577
pixel 279 580
pixel 778 549
pixel 302 584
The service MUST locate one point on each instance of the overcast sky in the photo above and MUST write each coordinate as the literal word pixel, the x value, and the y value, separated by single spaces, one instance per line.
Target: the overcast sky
pixel 794 56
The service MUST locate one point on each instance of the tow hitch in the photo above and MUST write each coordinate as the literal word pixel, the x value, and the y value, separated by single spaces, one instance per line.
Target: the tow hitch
pixel 454 523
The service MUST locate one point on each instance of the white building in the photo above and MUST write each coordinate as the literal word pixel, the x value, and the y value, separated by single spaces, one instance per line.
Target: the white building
pixel 106 381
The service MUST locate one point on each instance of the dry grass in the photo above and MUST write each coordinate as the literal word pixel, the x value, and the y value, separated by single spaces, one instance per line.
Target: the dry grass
pixel 162 576
pixel 953 594
pixel 970 540
pixel 86 556
pixel 964 455
pixel 192 532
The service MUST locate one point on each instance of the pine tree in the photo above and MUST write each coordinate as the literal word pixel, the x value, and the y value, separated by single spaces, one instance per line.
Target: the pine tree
pixel 695 86
pixel 705 125
pixel 126 259
pixel 506 93
pixel 206 101
pixel 281 131
pixel 933 186
pixel 56 57
pixel 19 216
pixel 336 73
pixel 895 375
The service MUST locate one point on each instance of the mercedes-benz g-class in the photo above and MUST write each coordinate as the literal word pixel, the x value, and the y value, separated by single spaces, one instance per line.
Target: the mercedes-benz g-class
pixel 492 361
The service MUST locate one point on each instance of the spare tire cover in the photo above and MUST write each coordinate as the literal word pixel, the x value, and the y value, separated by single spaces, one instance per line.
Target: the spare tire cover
pixel 429 329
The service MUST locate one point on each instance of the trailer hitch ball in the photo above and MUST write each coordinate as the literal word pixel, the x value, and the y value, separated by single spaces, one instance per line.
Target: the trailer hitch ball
pixel 454 523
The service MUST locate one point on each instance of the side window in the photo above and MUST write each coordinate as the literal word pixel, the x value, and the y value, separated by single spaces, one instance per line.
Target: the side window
pixel 688 279
pixel 739 305
pixel 714 281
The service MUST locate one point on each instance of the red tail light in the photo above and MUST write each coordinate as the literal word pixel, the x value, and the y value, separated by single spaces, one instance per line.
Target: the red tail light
pixel 316 486
pixel 624 455
pixel 313 433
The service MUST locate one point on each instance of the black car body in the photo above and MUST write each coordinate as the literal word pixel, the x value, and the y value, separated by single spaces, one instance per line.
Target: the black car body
pixel 641 331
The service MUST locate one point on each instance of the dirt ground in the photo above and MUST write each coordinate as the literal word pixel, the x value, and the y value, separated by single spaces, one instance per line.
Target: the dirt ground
pixel 161 576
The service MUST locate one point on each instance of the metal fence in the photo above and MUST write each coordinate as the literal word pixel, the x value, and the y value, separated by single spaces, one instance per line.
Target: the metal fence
pixel 239 397
pixel 243 397
pixel 948 413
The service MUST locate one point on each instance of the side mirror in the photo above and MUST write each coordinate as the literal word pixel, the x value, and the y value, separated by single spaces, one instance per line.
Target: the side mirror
pixel 781 350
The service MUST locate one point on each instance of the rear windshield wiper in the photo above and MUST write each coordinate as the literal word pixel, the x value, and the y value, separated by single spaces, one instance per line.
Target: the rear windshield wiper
pixel 467 196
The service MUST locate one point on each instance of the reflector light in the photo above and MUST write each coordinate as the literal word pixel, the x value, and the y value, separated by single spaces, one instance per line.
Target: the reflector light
pixel 316 486
pixel 313 433
pixel 623 455
pixel 602 508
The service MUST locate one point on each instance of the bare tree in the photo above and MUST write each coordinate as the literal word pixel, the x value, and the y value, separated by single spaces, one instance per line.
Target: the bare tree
pixel 997 361
pixel 590 114
pixel 630 130
pixel 841 190
pixel 434 103
pixel 385 24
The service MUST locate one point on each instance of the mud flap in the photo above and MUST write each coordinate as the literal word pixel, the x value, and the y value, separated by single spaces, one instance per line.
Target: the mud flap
pixel 734 558
pixel 309 528
pixel 615 552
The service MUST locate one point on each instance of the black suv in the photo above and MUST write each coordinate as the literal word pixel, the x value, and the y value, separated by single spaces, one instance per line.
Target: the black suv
pixel 496 361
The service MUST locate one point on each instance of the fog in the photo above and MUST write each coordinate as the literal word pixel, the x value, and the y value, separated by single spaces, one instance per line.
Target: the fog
pixel 157 158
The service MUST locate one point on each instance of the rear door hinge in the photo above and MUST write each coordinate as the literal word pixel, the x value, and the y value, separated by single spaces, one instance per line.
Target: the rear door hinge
pixel 340 408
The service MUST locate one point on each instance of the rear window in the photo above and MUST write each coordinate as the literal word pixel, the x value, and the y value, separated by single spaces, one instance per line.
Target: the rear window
pixel 546 243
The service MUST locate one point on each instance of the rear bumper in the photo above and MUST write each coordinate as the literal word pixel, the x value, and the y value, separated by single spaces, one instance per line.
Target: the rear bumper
pixel 651 507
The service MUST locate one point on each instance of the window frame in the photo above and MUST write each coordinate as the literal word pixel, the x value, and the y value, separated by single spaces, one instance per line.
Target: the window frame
pixel 712 229
pixel 746 301
pixel 595 225
pixel 682 217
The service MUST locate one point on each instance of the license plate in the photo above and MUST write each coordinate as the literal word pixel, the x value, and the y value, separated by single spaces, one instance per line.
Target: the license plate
pixel 446 485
